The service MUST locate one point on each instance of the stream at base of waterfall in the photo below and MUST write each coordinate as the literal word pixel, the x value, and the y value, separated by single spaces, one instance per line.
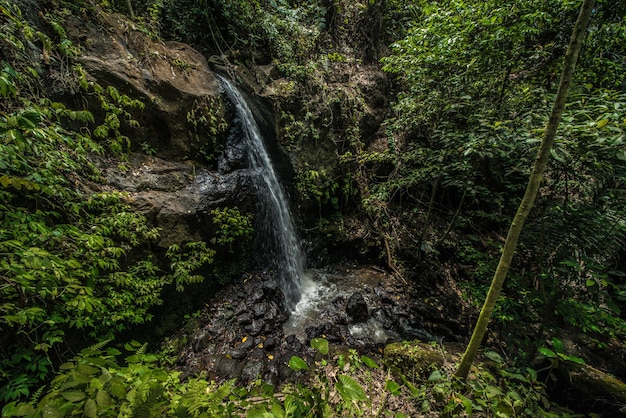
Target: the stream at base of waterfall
pixel 247 333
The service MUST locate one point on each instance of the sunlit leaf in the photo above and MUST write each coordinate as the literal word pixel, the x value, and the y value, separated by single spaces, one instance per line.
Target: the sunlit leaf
pixel 350 389
pixel 320 344
pixel 296 363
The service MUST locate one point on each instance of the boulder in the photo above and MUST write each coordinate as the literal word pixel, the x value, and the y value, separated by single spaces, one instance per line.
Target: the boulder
pixel 184 115
pixel 357 308
pixel 415 360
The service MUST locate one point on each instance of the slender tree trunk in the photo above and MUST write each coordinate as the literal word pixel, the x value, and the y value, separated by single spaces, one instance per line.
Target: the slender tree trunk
pixel 130 9
pixel 534 181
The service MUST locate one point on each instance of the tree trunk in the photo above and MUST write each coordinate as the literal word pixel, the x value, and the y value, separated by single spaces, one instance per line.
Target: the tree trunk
pixel 130 9
pixel 534 182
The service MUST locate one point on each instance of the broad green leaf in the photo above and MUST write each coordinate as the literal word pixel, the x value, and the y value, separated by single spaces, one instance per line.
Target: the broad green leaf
pixel 74 395
pixel 493 356
pixel 547 352
pixel 572 359
pixel 118 388
pixel 392 387
pixel 320 344
pixel 296 363
pixel 66 366
pixel 369 362
pixel 103 398
pixel 349 389
pixel 434 376
pixel 259 412
pixel 558 345
pixel 91 410
pixel 602 123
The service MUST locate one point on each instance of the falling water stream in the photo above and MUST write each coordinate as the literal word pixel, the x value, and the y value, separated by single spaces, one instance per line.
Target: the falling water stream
pixel 288 254
pixel 310 296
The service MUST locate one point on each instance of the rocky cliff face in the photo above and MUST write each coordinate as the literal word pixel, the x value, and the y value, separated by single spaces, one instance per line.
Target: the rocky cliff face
pixel 184 162
pixel 184 112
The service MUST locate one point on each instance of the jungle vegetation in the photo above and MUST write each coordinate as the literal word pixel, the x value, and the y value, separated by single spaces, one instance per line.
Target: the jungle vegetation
pixel 471 88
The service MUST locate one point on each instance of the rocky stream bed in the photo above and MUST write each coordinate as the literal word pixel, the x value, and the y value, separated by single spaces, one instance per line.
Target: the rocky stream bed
pixel 242 333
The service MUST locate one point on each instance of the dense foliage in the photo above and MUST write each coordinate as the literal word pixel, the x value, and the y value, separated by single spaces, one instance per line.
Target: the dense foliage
pixel 477 81
pixel 434 188
pixel 73 265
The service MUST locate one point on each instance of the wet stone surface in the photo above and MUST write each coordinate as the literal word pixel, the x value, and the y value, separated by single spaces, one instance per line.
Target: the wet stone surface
pixel 242 334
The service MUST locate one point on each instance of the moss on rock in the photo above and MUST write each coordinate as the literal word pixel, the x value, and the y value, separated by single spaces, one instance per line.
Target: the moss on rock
pixel 416 360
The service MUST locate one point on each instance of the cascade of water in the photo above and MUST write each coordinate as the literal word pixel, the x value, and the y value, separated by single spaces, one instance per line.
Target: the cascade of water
pixel 288 255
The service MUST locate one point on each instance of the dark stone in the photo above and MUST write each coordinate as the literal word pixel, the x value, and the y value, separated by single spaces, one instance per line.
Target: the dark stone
pixel 237 354
pixel 383 318
pixel 246 345
pixel 235 155
pixel 201 341
pixel 227 368
pixel 272 375
pixel 256 327
pixel 259 309
pixel 357 308
pixel 269 344
pixel 257 295
pixel 244 319
pixel 411 333
pixel 252 370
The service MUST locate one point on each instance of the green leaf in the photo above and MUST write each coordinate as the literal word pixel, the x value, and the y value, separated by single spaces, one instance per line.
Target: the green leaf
pixel 74 395
pixel 91 410
pixel 103 398
pixel 434 376
pixel 602 123
pixel 369 362
pixel 296 363
pixel 118 388
pixel 493 356
pixel 558 345
pixel 547 352
pixel 349 389
pixel 320 344
pixel 572 359
pixel 392 387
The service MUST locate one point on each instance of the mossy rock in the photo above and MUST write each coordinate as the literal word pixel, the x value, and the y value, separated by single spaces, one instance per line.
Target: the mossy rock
pixel 597 384
pixel 415 360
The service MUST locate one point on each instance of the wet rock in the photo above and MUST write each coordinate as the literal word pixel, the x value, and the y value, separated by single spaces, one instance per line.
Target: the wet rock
pixel 246 345
pixel 201 341
pixel 272 374
pixel 383 318
pixel 270 285
pixel 252 370
pixel 235 155
pixel 331 331
pixel 238 354
pixel 227 368
pixel 257 295
pixel 408 331
pixel 244 319
pixel 256 327
pixel 357 308
pixel 259 310
pixel 270 344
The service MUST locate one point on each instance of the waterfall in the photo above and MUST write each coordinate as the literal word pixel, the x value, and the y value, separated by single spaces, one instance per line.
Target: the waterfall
pixel 286 251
